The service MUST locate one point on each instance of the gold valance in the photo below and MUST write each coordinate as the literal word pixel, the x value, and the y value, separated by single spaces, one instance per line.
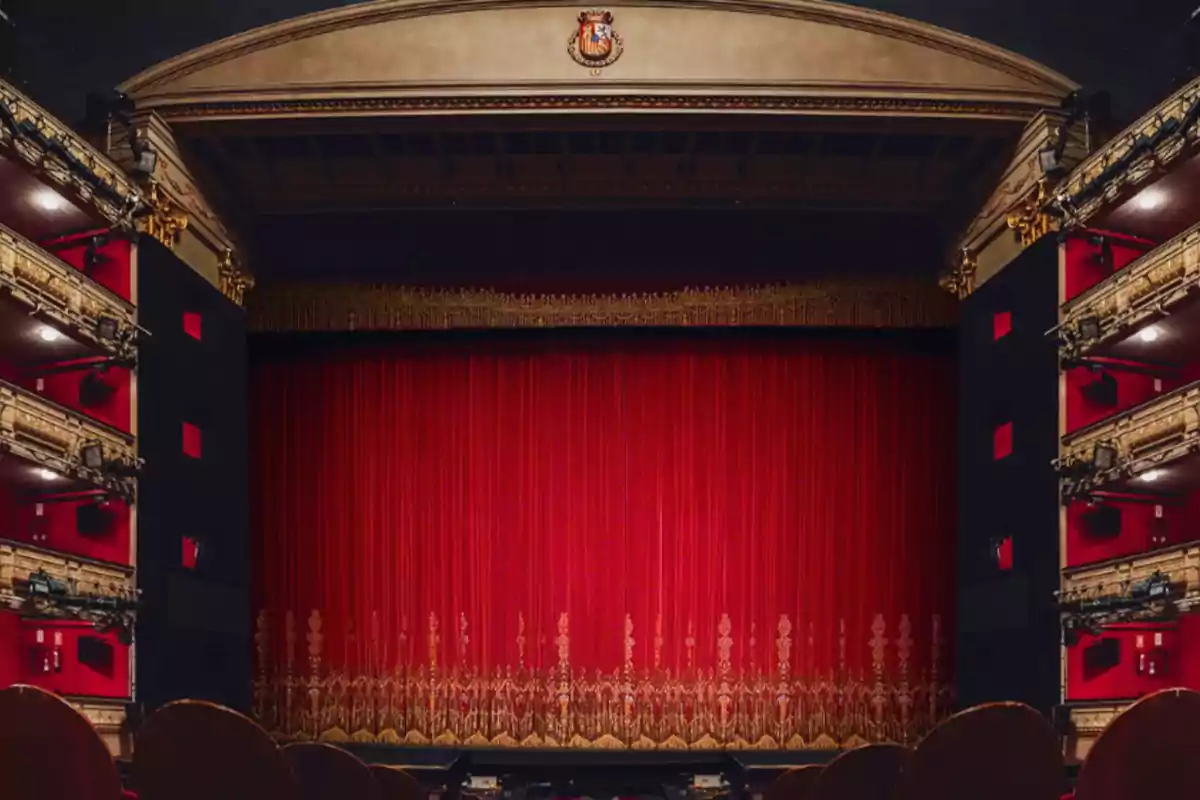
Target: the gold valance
pixel 865 304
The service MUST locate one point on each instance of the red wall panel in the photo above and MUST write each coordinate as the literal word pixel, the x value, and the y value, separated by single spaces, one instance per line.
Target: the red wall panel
pixel 1180 656
pixel 1083 267
pixel 1133 389
pixel 63 388
pixel 55 527
pixel 113 270
pixel 1144 526
pixel 72 676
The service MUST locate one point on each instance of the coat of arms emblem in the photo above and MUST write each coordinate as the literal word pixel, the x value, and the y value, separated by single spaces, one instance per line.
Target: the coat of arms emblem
pixel 595 44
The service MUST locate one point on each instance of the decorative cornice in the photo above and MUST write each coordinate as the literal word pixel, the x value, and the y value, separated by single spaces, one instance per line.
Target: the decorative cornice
pixel 46 285
pixel 46 144
pixel 883 304
pixel 164 219
pixel 54 437
pixel 1087 722
pixel 1136 155
pixel 234 283
pixel 959 280
pixel 1029 218
pixel 1151 285
pixel 1152 434
pixel 882 105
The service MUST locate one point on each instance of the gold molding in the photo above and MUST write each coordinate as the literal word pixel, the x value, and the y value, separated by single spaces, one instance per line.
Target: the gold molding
pixel 1029 218
pixel 165 221
pixel 959 280
pixel 234 283
pixel 18 561
pixel 108 718
pixel 45 284
pixel 110 192
pixel 1102 179
pixel 883 304
pixel 54 437
pixel 1112 579
pixel 1146 287
pixel 1087 722
pixel 1153 434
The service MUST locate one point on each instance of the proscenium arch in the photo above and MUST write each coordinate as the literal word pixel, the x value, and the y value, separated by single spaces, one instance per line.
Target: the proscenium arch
pixel 459 56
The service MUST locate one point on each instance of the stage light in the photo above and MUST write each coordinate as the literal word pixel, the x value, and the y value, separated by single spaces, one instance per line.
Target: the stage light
pixel 106 329
pixel 1149 199
pixel 92 456
pixel 1150 333
pixel 1104 457
pixel 47 475
pixel 49 200
pixel 48 334
pixel 1089 328
pixel 1151 476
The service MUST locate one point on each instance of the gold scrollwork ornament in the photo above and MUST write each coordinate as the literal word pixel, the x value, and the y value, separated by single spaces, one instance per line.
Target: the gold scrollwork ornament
pixel 165 221
pixel 1029 219
pixel 234 281
pixel 959 280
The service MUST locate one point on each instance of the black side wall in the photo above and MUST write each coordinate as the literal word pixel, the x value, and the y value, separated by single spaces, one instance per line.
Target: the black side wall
pixel 194 632
pixel 1008 628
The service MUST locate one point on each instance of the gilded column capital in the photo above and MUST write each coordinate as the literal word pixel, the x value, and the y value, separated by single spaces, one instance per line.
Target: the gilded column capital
pixel 1030 218
pixel 163 220
pixel 959 280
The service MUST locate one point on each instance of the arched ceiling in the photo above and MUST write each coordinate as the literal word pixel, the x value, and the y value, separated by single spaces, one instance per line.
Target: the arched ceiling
pixel 403 56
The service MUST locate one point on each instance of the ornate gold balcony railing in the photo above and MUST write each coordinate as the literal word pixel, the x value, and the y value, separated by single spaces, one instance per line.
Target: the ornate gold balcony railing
pixel 55 438
pixel 1114 579
pixel 1150 285
pixel 1087 722
pixel 39 280
pixel 1154 433
pixel 50 146
pixel 84 576
pixel 1131 157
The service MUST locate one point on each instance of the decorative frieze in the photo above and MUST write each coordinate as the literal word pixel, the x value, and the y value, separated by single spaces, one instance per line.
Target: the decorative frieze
pixel 1147 287
pixel 1114 579
pixel 108 718
pixel 59 440
pixel 1133 157
pixel 1155 433
pixel 45 284
pixel 46 144
pixel 83 576
pixel 1086 723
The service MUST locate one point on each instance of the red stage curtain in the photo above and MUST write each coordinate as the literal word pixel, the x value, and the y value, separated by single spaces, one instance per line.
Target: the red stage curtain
pixel 672 541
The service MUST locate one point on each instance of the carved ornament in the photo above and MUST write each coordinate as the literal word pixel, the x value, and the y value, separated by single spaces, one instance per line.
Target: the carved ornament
pixel 1087 722
pixel 1148 286
pixel 54 437
pixel 164 220
pixel 882 304
pixel 595 42
pixel 1030 219
pixel 234 281
pixel 85 577
pixel 47 286
pixel 959 280
pixel 57 152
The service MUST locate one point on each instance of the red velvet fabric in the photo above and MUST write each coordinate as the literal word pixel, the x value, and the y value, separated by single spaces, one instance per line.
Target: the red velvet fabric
pixel 744 509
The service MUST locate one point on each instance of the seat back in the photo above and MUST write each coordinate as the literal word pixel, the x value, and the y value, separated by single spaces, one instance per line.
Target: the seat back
pixel 326 772
pixel 396 784
pixel 795 784
pixel 874 772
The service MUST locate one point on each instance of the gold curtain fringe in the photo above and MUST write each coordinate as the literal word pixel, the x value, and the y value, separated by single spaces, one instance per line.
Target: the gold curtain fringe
pixel 705 708
pixel 875 304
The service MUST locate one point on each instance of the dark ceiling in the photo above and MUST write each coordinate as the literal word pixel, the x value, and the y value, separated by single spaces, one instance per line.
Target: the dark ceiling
pixel 66 48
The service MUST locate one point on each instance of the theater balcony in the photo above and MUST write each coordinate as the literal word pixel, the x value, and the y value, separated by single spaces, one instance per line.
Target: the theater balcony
pixel 65 615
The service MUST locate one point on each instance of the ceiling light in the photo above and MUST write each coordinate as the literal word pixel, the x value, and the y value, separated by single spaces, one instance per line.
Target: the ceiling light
pixel 48 334
pixel 1151 476
pixel 47 475
pixel 49 200
pixel 1150 199
pixel 1150 333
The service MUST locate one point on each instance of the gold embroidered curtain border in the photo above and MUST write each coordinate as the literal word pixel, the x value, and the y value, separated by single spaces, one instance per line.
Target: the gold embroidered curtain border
pixel 517 705
pixel 339 308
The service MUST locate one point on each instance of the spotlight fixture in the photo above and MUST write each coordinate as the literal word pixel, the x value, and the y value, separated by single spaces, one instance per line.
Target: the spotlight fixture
pixel 48 334
pixel 1051 161
pixel 1149 199
pixel 1150 476
pixel 1089 327
pixel 1104 457
pixel 49 200
pixel 1150 333
pixel 92 456
pixel 106 329
pixel 47 474
pixel 145 158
